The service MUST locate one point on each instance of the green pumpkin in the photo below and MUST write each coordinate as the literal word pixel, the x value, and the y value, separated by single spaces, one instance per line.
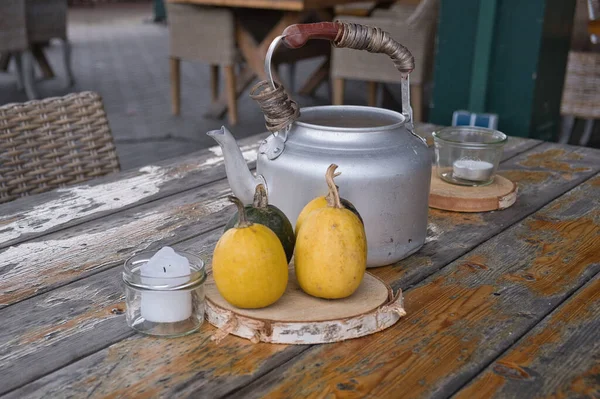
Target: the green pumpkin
pixel 268 215
pixel 348 205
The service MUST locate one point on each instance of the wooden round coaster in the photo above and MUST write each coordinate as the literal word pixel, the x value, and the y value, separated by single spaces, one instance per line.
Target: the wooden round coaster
pixel 298 318
pixel 500 194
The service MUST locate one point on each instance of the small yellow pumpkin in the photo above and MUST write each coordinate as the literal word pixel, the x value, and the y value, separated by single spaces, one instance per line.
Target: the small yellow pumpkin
pixel 331 248
pixel 321 202
pixel 249 264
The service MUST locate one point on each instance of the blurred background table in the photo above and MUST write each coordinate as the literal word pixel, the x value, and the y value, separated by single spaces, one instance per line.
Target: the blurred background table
pixel 255 24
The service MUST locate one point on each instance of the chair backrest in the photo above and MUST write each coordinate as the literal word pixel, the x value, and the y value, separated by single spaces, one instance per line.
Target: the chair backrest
pixel 13 28
pixel 55 142
pixel 581 91
pixel 46 19
pixel 205 34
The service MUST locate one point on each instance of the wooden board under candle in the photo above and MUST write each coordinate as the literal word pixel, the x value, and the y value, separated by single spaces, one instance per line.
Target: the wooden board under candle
pixel 298 318
pixel 500 194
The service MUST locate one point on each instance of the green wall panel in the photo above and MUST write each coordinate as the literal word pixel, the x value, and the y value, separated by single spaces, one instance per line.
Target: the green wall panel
pixel 454 54
pixel 525 65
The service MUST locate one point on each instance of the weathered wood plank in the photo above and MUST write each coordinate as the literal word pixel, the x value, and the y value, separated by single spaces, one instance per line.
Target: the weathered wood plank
pixel 434 235
pixel 460 319
pixel 558 358
pixel 542 174
pixel 94 307
pixel 44 263
pixel 58 327
pixel 155 364
pixel 44 260
pixel 34 216
pixel 517 145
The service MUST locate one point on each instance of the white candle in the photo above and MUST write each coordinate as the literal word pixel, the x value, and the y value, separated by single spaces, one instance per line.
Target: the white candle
pixel 166 306
pixel 469 169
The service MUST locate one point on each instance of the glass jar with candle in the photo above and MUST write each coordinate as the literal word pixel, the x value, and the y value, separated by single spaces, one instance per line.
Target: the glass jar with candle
pixel 468 155
pixel 165 295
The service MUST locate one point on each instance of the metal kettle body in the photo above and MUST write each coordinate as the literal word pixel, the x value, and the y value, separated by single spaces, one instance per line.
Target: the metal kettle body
pixel 386 168
pixel 386 172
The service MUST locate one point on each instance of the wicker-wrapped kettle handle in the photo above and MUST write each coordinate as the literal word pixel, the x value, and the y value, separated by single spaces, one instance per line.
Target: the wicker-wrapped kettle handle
pixel 278 107
pixel 350 35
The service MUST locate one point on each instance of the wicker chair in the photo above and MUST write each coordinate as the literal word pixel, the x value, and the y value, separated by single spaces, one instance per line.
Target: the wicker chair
pixel 414 27
pixel 14 43
pixel 581 91
pixel 45 144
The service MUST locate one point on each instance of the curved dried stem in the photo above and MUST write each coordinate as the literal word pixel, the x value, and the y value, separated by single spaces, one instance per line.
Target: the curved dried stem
pixel 333 197
pixel 242 220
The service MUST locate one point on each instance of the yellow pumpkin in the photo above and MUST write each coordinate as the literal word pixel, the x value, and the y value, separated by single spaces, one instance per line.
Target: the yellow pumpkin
pixel 321 202
pixel 331 249
pixel 249 264
pixel 317 203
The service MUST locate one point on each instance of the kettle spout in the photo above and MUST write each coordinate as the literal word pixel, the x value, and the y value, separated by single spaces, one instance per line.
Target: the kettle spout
pixel 242 182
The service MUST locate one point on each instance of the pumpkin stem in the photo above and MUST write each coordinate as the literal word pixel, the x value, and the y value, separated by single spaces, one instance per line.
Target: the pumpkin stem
pixel 260 197
pixel 242 220
pixel 333 198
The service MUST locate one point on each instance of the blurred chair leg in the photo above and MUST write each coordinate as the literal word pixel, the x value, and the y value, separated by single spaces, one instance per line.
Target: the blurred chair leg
pixel 292 77
pixel 19 70
pixel 416 99
pixel 231 93
pixel 4 61
pixel 338 91
pixel 28 77
pixel 67 50
pixel 214 83
pixel 566 129
pixel 175 86
pixel 372 94
pixel 37 51
pixel 587 132
pixel 320 75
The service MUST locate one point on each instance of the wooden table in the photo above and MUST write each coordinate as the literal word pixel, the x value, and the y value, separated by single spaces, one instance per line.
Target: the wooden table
pixel 254 52
pixel 504 303
pixel 289 5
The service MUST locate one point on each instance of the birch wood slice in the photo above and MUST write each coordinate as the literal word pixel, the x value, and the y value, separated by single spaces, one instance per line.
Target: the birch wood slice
pixel 298 318
pixel 500 194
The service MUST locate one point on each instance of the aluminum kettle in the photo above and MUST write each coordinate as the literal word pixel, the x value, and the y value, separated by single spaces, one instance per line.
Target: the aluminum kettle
pixel 385 167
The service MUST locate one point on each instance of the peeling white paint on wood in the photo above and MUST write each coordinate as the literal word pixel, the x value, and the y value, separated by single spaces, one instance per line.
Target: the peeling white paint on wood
pixel 248 152
pixel 218 151
pixel 36 265
pixel 66 295
pixel 80 201
pixel 433 232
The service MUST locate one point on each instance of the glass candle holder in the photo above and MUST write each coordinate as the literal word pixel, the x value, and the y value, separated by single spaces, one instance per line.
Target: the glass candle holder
pixel 164 306
pixel 468 155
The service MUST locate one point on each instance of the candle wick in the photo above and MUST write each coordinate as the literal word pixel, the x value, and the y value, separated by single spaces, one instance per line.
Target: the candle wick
pixel 165 269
